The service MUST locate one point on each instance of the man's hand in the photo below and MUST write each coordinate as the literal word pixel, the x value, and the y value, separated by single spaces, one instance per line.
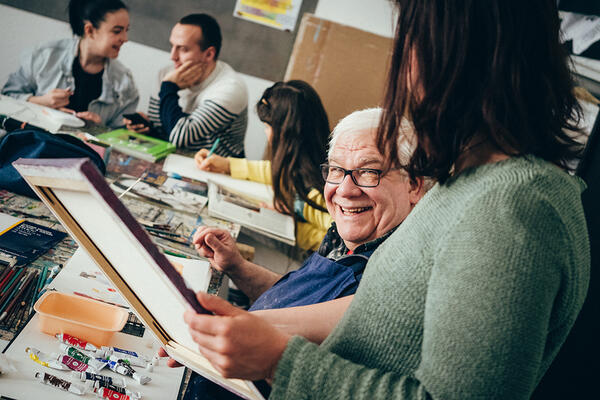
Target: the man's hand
pixel 219 247
pixel 139 128
pixel 237 343
pixel 55 98
pixel 186 75
pixel 170 362
pixel 214 163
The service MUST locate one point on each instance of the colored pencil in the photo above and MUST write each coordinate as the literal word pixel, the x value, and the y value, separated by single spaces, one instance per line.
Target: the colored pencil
pixel 213 148
pixel 4 280
pixel 41 282
pixel 163 232
pixel 18 293
pixel 8 289
pixel 30 289
pixel 53 272
pixel 12 293
pixel 4 273
pixel 34 296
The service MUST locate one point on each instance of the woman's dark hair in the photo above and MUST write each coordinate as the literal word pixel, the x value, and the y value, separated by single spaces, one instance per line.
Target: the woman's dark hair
pixel 94 11
pixel 298 145
pixel 480 70
pixel 211 32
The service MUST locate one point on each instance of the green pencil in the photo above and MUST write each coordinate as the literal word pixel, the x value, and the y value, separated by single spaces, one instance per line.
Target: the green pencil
pixel 10 286
pixel 41 282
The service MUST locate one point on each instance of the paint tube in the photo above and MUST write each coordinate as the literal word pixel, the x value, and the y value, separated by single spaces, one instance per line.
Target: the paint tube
pixel 125 354
pixel 45 359
pixel 79 356
pixel 111 394
pixel 75 365
pixel 75 342
pixel 131 360
pixel 125 369
pixel 118 389
pixel 52 380
pixel 99 378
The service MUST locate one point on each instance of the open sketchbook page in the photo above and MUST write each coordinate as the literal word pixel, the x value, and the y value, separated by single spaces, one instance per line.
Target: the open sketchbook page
pixel 40 116
pixel 233 206
pixel 185 166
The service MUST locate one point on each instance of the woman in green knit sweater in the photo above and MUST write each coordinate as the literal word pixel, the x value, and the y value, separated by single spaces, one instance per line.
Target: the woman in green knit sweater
pixel 473 295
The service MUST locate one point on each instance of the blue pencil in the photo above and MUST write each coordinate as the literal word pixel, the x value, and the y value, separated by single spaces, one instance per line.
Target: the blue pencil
pixel 41 281
pixel 213 148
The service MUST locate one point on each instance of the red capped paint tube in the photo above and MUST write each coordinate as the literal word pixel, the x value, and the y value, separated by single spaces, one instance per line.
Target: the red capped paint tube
pixel 134 395
pixel 125 369
pixel 111 394
pixel 46 360
pixel 100 378
pixel 61 384
pixel 76 342
pixel 79 356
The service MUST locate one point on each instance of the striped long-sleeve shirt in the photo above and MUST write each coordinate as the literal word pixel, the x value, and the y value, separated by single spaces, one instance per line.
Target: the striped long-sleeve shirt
pixel 194 118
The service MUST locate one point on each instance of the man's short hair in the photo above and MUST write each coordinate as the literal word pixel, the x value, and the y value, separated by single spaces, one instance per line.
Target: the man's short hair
pixel 211 32
pixel 367 121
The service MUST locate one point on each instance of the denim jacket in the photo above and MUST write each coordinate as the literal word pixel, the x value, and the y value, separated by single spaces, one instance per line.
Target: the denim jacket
pixel 50 66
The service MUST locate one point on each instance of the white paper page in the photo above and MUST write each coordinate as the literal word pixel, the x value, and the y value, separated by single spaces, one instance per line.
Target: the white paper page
pixel 185 166
pixel 6 221
pixel 266 220
pixel 43 117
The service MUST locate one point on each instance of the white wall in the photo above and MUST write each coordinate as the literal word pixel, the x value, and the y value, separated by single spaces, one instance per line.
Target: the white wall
pixel 21 30
pixel 375 16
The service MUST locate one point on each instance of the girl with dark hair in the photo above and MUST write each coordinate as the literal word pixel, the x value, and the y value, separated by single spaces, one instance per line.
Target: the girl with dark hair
pixel 297 129
pixel 81 74
pixel 474 293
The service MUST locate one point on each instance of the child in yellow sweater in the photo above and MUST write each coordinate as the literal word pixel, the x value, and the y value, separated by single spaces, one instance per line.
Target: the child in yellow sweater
pixel 297 130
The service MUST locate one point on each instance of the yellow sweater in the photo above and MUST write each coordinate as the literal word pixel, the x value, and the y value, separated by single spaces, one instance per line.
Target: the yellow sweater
pixel 309 234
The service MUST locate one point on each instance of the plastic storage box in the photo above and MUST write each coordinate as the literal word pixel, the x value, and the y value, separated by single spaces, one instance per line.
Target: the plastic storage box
pixel 78 316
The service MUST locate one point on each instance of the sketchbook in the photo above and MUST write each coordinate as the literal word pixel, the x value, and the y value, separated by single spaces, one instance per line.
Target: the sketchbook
pixel 233 206
pixel 176 164
pixel 43 117
pixel 25 241
pixel 137 145
pixel 81 199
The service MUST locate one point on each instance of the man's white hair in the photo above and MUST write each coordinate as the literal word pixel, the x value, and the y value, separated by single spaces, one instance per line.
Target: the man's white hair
pixel 367 121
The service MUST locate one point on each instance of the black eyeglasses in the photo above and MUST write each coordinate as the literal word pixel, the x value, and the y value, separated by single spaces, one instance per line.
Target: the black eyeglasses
pixel 363 177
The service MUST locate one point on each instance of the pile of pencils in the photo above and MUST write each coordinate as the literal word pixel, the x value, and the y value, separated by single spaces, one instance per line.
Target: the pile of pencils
pixel 20 287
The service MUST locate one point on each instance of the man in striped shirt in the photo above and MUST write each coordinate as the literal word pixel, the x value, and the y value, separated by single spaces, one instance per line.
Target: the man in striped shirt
pixel 200 99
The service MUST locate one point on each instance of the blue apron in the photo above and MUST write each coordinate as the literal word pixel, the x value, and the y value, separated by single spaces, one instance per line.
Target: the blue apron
pixel 319 279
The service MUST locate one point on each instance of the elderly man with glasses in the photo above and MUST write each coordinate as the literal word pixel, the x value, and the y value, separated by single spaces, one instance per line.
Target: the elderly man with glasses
pixel 366 203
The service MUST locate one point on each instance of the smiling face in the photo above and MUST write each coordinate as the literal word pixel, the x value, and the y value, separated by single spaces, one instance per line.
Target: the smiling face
pixel 110 35
pixel 185 45
pixel 364 214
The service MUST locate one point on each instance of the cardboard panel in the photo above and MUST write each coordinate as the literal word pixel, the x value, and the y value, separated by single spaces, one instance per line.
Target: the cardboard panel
pixel 347 66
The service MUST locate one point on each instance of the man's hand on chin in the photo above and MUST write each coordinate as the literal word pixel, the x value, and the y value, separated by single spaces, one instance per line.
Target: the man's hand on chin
pixel 186 75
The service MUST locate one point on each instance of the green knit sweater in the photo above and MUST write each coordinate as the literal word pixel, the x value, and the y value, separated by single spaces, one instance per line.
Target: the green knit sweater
pixel 470 298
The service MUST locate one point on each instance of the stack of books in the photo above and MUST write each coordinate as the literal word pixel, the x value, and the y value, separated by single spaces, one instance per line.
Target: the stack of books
pixel 137 145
